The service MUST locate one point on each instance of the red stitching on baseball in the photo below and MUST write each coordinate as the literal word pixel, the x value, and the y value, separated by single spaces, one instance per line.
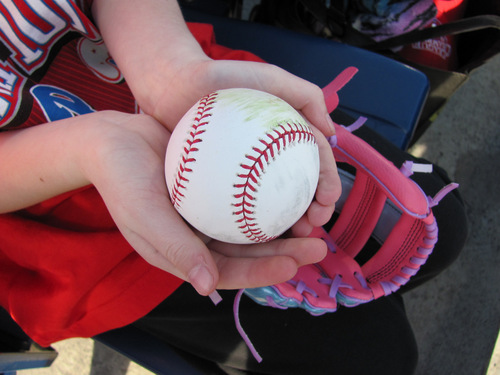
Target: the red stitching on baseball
pixel 275 141
pixel 203 112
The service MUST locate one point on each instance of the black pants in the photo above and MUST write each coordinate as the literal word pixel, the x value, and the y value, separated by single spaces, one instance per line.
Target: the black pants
pixel 375 338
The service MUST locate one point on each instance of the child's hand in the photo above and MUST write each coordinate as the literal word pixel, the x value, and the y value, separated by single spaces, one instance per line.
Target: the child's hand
pixel 192 81
pixel 171 73
pixel 126 164
pixel 168 72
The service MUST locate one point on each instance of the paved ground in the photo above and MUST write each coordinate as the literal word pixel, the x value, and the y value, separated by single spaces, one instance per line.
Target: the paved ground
pixel 456 316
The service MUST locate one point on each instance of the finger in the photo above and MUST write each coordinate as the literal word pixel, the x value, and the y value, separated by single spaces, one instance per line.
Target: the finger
pixel 237 273
pixel 255 272
pixel 163 239
pixel 305 97
pixel 329 186
pixel 299 93
pixel 302 250
pixel 130 179
pixel 327 192
pixel 302 228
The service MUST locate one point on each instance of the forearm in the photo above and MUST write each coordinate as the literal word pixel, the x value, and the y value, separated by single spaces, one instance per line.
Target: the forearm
pixel 39 163
pixel 50 159
pixel 150 43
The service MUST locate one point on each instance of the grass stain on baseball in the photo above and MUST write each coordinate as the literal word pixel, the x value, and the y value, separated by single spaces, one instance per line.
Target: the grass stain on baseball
pixel 273 110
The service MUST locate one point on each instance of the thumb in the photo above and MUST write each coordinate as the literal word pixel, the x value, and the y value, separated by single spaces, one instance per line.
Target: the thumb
pixel 180 251
pixel 176 249
pixel 190 260
pixel 202 276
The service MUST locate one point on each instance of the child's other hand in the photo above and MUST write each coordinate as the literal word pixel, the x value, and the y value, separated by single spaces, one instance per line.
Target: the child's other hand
pixel 126 164
pixel 202 76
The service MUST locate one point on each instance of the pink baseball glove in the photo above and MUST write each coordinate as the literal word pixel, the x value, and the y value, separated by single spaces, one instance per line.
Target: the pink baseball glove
pixel 379 203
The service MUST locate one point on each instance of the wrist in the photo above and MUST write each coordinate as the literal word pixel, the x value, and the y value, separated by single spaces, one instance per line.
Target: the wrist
pixel 100 134
pixel 43 161
pixel 122 147
pixel 150 43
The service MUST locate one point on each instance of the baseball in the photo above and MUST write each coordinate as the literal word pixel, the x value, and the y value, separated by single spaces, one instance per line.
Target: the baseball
pixel 242 166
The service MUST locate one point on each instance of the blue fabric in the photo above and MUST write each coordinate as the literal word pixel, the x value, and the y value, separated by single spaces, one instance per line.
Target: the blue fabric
pixel 388 93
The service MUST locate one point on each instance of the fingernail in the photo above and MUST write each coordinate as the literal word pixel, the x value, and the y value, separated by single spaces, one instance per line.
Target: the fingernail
pixel 201 279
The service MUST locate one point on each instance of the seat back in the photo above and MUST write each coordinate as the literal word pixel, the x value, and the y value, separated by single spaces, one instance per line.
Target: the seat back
pixel 390 94
pixel 17 351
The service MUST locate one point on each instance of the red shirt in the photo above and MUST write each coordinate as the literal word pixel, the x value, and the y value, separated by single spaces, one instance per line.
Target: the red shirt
pixel 65 269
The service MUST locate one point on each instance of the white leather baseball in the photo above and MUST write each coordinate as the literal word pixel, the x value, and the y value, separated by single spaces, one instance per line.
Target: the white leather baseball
pixel 242 166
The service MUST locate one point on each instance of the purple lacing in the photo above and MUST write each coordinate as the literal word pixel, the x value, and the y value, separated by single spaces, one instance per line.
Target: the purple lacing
pixel 270 301
pixel 441 194
pixel 350 128
pixel 361 280
pixel 429 240
pixel 215 297
pixel 388 287
pixel 425 251
pixel 418 261
pixel 401 280
pixel 410 271
pixel 432 229
pixel 335 284
pixel 331 246
pixel 332 141
pixel 356 124
pixel 244 336
pixel 302 287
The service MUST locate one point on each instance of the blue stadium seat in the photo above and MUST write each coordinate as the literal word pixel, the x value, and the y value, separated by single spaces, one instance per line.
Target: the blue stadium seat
pixel 17 351
pixel 390 94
